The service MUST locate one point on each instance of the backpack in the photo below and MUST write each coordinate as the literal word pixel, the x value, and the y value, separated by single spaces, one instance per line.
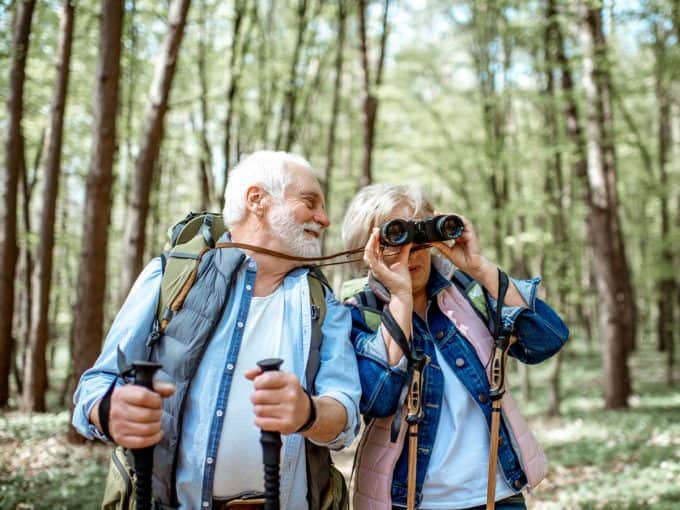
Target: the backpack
pixel 188 241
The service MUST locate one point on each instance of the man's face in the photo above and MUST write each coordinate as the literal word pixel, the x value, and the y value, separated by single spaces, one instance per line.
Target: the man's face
pixel 298 219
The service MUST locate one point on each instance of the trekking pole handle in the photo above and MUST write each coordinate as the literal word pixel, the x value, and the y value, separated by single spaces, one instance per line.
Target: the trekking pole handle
pixel 144 372
pixel 143 457
pixel 271 449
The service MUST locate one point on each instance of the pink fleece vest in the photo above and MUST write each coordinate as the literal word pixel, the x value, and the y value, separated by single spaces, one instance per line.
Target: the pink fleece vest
pixel 377 456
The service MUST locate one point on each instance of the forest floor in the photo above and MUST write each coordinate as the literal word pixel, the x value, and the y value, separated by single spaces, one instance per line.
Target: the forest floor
pixel 599 459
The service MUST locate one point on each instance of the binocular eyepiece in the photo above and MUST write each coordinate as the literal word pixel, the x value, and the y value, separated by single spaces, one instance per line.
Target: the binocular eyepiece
pixel 435 228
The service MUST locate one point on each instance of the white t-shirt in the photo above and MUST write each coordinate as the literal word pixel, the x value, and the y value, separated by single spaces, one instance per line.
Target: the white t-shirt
pixel 264 336
pixel 458 469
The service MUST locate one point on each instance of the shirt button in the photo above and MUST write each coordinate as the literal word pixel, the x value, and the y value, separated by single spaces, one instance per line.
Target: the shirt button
pixel 205 504
pixel 440 335
pixel 460 362
pixel 251 264
pixel 500 441
pixel 209 460
pixel 219 413
pixel 482 397
pixel 518 484
pixel 249 287
pixel 230 366
pixel 239 324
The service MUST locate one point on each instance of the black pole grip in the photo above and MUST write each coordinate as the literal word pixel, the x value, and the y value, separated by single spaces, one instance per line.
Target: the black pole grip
pixel 143 457
pixel 271 450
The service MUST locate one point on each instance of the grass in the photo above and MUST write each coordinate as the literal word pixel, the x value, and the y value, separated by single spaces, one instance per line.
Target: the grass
pixel 599 459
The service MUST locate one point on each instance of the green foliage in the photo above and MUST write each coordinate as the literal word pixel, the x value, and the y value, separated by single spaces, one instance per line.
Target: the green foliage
pixel 40 470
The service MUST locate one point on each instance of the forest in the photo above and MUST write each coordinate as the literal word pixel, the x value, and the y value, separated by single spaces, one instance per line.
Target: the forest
pixel 554 125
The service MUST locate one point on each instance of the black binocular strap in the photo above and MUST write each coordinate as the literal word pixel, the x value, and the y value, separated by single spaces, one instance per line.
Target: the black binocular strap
pixel 503 284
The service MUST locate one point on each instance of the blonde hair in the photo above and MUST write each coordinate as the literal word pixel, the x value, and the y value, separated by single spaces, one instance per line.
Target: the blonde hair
pixel 373 205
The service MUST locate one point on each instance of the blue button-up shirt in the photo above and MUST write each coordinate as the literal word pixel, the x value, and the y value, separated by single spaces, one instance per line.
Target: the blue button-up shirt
pixel 208 394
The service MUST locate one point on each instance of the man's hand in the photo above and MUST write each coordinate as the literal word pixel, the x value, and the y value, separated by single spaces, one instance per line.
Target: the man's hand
pixel 135 414
pixel 279 402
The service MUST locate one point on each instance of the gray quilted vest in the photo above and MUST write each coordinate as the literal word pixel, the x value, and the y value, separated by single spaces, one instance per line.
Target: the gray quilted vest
pixel 180 349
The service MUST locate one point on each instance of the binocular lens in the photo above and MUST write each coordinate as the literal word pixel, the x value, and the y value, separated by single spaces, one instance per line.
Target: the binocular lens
pixel 395 233
pixel 439 228
pixel 450 227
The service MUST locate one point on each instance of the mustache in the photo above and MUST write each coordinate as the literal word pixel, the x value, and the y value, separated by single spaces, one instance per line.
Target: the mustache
pixel 313 226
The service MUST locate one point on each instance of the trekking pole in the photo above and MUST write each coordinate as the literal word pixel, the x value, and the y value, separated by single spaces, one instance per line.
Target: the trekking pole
pixel 143 457
pixel 498 363
pixel 271 449
pixel 413 418
pixel 502 344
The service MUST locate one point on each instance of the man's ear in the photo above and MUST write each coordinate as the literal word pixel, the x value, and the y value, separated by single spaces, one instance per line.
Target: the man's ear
pixel 256 199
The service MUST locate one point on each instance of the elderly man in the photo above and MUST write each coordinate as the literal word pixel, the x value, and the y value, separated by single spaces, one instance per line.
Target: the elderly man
pixel 208 437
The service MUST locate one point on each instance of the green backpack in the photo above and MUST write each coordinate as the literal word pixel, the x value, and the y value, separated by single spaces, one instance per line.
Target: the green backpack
pixel 187 242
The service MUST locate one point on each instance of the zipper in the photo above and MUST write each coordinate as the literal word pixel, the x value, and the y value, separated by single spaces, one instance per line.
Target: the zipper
pixel 125 475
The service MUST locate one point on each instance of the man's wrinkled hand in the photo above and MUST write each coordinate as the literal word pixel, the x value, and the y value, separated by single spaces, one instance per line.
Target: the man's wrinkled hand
pixel 279 402
pixel 135 414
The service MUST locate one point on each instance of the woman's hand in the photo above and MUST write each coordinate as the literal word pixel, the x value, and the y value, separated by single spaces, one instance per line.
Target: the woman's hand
pixel 393 273
pixel 465 253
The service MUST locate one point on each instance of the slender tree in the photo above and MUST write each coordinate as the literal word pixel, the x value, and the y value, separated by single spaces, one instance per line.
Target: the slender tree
pixel 284 137
pixel 617 309
pixel 232 89
pixel 14 165
pixel 35 371
pixel 666 288
pixel 335 108
pixel 134 239
pixel 554 184
pixel 488 53
pixel 205 175
pixel 91 287
pixel 370 99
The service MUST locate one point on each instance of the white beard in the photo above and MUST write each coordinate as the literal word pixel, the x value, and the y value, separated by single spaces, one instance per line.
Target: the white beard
pixel 292 233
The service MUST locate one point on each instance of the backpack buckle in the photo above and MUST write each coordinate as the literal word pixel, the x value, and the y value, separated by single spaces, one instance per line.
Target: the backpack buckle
pixel 153 337
pixel 316 312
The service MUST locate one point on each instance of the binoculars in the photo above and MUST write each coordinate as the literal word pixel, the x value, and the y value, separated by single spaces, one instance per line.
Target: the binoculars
pixel 435 228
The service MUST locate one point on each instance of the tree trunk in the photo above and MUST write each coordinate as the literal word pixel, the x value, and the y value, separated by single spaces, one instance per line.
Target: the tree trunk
pixel 335 110
pixel 232 89
pixel 487 42
pixel 554 186
pixel 35 372
pixel 14 161
pixel 91 287
pixel 665 284
pixel 205 175
pixel 134 239
pixel 370 100
pixel 287 116
pixel 617 310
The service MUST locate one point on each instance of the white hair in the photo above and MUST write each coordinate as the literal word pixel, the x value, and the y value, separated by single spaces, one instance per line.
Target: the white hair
pixel 264 168
pixel 373 205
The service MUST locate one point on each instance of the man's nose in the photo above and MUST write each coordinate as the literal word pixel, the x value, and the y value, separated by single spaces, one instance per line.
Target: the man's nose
pixel 322 218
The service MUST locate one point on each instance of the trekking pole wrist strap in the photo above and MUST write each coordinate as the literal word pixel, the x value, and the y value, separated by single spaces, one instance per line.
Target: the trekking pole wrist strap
pixel 396 332
pixel 312 414
pixel 104 411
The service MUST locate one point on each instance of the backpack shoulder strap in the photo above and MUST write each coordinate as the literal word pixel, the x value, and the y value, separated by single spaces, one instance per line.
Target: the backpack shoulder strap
pixel 317 295
pixel 476 295
pixel 188 241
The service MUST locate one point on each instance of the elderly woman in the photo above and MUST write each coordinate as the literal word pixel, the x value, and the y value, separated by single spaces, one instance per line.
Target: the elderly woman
pixel 439 302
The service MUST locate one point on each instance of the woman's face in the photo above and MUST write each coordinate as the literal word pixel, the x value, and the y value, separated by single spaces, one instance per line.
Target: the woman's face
pixel 418 261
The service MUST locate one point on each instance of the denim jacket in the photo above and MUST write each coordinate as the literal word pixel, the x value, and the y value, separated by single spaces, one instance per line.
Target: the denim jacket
pixel 540 333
